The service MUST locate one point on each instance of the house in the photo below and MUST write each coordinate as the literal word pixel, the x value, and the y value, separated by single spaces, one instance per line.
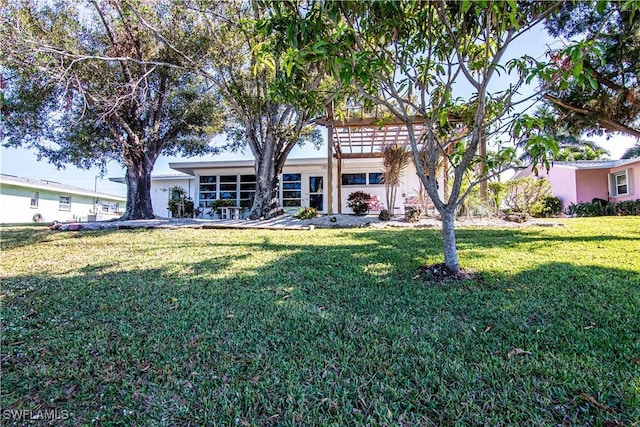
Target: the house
pixel 25 200
pixel 353 163
pixel 303 183
pixel 585 180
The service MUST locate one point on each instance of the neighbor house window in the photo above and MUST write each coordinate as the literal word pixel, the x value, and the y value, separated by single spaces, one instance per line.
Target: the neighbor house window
pixel 64 203
pixel 247 190
pixel 291 190
pixel 35 197
pixel 619 182
pixel 375 178
pixel 229 187
pixel 207 191
pixel 354 179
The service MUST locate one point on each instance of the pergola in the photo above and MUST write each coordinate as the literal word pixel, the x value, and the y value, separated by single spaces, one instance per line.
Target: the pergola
pixel 360 138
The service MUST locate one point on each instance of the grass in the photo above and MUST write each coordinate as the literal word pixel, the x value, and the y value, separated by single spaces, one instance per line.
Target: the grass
pixel 322 327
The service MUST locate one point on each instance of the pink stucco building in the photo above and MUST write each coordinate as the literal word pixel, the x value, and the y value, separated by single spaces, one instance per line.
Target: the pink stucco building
pixel 585 180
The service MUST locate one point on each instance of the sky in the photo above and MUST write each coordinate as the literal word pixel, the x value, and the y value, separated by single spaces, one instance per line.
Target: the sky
pixel 24 163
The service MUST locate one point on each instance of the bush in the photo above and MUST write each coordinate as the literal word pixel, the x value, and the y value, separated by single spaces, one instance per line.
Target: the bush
pixel 412 213
pixel 524 194
pixel 628 207
pixel 218 203
pixel 384 215
pixel 604 208
pixel 358 202
pixel 306 213
pixel 179 205
pixel 547 207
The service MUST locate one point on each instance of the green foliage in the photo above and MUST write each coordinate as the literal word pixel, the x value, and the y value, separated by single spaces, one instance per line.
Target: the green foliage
pixel 384 215
pixel 306 213
pixel 245 324
pixel 627 207
pixel 525 194
pixel 219 203
pixel 595 209
pixel 358 202
pixel 179 204
pixel 592 82
pixel 547 207
pixel 497 192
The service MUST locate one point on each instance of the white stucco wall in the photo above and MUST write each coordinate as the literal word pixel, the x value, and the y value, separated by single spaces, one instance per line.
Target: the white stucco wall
pixel 15 205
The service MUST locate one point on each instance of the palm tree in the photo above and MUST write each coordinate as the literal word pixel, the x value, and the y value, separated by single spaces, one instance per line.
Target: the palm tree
pixel 396 158
pixel 632 152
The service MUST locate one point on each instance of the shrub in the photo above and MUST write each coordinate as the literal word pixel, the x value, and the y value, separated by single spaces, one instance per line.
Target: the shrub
pixel 306 213
pixel 384 215
pixel 412 213
pixel 524 193
pixel 358 202
pixel 586 209
pixel 604 208
pixel 547 207
pixel 628 207
pixel 179 205
pixel 218 203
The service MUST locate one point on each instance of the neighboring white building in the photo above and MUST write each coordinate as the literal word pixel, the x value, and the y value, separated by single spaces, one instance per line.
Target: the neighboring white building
pixel 25 200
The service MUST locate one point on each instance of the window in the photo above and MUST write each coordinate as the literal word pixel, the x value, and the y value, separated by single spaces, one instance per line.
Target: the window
pixel 619 183
pixel 104 207
pixel 247 189
pixel 64 203
pixel 229 187
pixel 207 193
pixel 291 190
pixel 375 178
pixel 354 179
pixel 35 198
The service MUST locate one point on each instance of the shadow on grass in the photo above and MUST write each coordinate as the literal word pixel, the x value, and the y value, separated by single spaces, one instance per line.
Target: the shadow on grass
pixel 324 334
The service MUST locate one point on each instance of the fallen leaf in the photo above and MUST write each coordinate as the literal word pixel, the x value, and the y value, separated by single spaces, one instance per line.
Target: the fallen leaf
pixel 230 316
pixel 417 276
pixel 487 329
pixel 636 360
pixel 591 326
pixel 516 352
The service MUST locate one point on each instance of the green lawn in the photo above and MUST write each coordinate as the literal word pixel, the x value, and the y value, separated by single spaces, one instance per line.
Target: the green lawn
pixel 322 327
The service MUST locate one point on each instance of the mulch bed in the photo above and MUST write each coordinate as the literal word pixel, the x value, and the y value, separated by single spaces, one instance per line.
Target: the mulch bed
pixel 439 273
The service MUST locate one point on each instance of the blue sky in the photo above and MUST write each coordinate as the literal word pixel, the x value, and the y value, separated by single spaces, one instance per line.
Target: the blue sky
pixel 22 162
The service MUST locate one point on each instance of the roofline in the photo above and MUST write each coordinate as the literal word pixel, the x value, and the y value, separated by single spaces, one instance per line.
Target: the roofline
pixel 605 164
pixel 163 177
pixel 189 167
pixel 63 188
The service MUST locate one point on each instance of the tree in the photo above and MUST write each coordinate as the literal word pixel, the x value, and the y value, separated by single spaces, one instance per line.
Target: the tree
pixel 269 117
pixel 602 92
pixel 85 84
pixel 567 147
pixel 395 159
pixel 430 64
pixel 632 152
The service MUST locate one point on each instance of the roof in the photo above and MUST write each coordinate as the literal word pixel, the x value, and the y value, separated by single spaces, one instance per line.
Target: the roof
pixel 594 164
pixel 582 165
pixel 161 177
pixel 190 167
pixel 42 184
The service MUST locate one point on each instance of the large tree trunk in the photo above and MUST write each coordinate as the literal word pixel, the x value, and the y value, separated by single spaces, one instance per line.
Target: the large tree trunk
pixel 449 240
pixel 266 203
pixel 138 179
